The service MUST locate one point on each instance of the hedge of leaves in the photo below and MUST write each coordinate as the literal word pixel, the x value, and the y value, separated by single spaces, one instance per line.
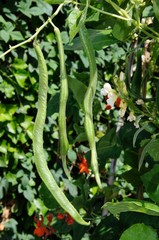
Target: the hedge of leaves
pixel 125 38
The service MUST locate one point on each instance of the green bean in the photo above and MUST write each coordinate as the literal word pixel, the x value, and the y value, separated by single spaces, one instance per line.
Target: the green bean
pixel 88 100
pixel 39 155
pixel 64 144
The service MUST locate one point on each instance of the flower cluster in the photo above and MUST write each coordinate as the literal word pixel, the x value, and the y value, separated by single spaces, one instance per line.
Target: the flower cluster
pixel 68 219
pixel 46 230
pixel 83 165
pixel 113 100
pixel 41 229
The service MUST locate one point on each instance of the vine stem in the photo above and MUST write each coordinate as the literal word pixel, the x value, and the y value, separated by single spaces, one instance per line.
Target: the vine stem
pixel 38 30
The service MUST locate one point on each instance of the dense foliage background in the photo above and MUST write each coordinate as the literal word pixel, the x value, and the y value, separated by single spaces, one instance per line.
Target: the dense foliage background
pixel 125 38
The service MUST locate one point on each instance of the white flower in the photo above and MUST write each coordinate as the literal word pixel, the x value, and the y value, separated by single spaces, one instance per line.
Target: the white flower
pixel 112 97
pixel 131 117
pixel 123 107
pixel 106 89
pixel 140 102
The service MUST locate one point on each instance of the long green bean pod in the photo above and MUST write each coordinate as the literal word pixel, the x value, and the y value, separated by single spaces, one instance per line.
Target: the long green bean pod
pixel 64 144
pixel 39 155
pixel 88 100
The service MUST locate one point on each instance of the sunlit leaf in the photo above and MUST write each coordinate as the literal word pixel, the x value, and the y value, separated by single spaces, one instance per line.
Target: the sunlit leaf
pixel 133 206
pixel 139 231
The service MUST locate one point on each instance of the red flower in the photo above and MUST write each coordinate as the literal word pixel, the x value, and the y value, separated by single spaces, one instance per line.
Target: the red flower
pixel 117 103
pixel 108 107
pixel 50 217
pixel 69 220
pixel 60 216
pixel 40 231
pixel 83 166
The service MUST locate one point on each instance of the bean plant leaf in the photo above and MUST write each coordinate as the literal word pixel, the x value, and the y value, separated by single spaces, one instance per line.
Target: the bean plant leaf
pixel 132 206
pixel 99 38
pixel 151 183
pixel 78 88
pixel 144 152
pixel 153 150
pixel 156 8
pixel 121 30
pixel 139 231
pixel 73 22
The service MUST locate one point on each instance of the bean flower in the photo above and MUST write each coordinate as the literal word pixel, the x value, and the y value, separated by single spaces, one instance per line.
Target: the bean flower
pixel 83 165
pixel 114 101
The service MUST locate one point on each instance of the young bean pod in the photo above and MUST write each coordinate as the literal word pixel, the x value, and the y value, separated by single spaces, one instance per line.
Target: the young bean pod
pixel 39 155
pixel 64 144
pixel 88 100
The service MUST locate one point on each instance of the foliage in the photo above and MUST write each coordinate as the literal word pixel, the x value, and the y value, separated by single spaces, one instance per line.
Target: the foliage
pixel 124 35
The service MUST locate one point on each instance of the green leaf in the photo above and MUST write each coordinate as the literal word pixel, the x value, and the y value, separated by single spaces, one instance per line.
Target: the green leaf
pixel 151 183
pixel 132 206
pixel 78 88
pixel 21 77
pixel 121 30
pixel 139 231
pixel 7 111
pixel 153 149
pixel 99 38
pixel 73 22
pixel 16 35
pixel 19 64
pixel 156 8
pixel 4 35
pixel 144 152
pixel 47 198
pixel 107 147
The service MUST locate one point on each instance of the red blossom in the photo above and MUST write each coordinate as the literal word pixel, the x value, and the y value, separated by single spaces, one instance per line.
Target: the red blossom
pixel 60 216
pixel 108 107
pixel 83 166
pixel 69 220
pixel 40 231
pixel 117 103
pixel 50 217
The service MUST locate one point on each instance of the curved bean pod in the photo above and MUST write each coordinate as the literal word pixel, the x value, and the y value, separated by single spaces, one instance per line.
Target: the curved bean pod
pixel 64 144
pixel 39 155
pixel 88 100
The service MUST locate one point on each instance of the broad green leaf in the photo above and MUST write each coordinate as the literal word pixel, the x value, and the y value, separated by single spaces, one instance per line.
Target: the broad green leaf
pixel 73 22
pixel 4 35
pixel 7 111
pixel 47 198
pixel 153 150
pixel 136 135
pixel 107 147
pixel 99 38
pixel 21 77
pixel 132 206
pixel 151 183
pixel 16 35
pixel 156 8
pixel 121 30
pixel 19 64
pixel 139 231
pixel 144 152
pixel 78 88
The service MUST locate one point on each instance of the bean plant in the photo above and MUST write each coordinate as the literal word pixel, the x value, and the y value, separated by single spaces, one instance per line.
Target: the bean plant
pixel 79 119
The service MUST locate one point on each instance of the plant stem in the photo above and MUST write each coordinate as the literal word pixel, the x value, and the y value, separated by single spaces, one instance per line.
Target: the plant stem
pixel 38 30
